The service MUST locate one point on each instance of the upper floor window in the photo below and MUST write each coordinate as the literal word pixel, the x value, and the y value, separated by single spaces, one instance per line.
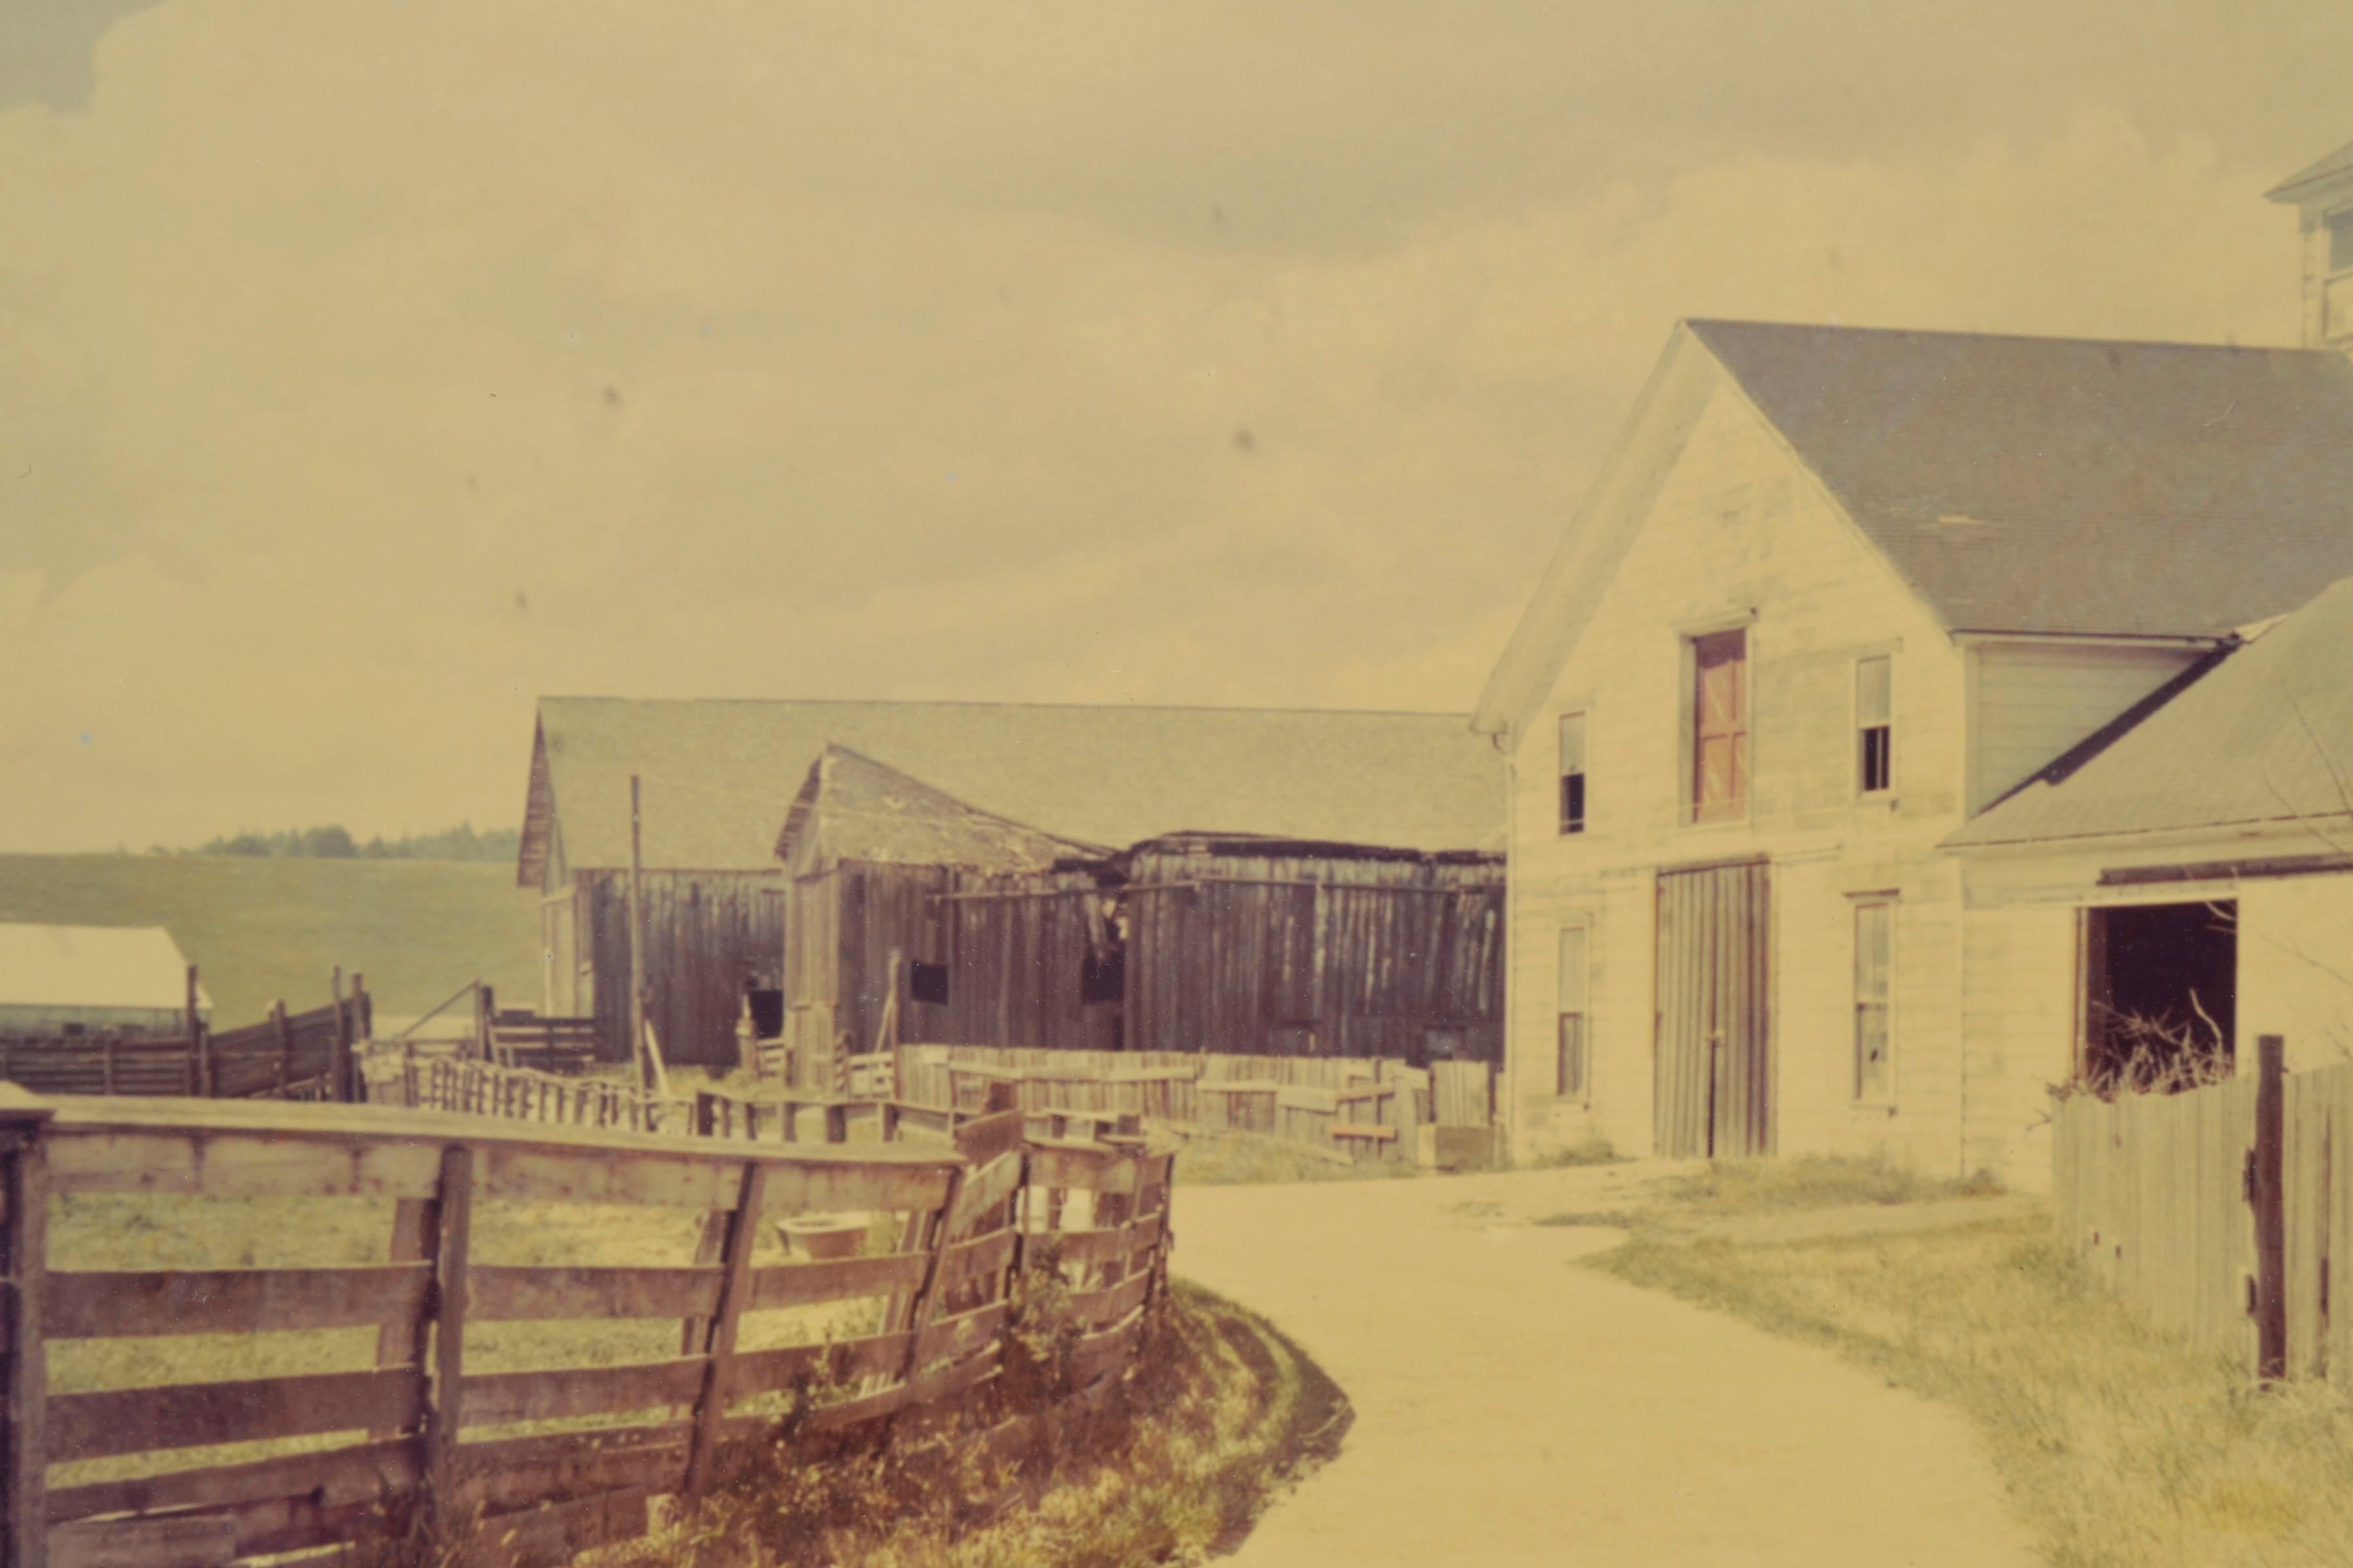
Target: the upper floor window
pixel 2341 241
pixel 1720 726
pixel 1874 724
pixel 1572 772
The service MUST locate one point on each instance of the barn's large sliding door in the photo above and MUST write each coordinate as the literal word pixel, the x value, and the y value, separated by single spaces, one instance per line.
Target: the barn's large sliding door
pixel 1714 1063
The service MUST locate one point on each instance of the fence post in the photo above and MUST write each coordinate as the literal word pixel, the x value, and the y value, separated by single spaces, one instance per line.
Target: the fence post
pixel 199 1079
pixel 455 1203
pixel 734 1285
pixel 23 1266
pixel 362 1028
pixel 2271 1217
pixel 285 1046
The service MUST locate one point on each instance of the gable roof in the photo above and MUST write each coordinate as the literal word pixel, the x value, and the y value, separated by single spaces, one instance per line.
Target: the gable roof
pixel 93 966
pixel 2263 734
pixel 2308 180
pixel 2055 486
pixel 859 809
pixel 2064 485
pixel 720 776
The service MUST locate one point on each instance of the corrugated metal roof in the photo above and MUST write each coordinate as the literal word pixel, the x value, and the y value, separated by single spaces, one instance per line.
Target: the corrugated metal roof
pixel 860 809
pixel 2066 486
pixel 719 776
pixel 93 966
pixel 2314 174
pixel 2264 735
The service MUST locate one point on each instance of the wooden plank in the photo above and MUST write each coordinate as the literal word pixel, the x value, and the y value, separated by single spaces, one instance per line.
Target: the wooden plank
pixel 179 1541
pixel 509 1294
pixel 1302 1097
pixel 24 1270
pixel 984 1192
pixel 513 1473
pixel 1111 1302
pixel 952 1339
pixel 986 1256
pixel 835 1279
pixel 501 1398
pixel 187 1415
pixel 1241 1086
pixel 554 1532
pixel 366 1472
pixel 987 1138
pixel 1111 1244
pixel 454 1203
pixel 97 1305
pixel 1087 1167
pixel 1367 1130
pixel 735 1290
pixel 774 1371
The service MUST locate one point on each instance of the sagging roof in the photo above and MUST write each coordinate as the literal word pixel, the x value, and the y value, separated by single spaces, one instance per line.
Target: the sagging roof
pixel 859 809
pixel 2068 486
pixel 720 776
pixel 2262 735
pixel 94 966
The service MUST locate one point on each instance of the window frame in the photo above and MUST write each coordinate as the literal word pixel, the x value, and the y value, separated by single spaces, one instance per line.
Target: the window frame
pixel 1695 812
pixel 1882 1093
pixel 1863 788
pixel 1573 781
pixel 1579 1085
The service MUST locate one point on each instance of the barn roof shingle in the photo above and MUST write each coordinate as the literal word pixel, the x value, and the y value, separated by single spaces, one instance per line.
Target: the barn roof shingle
pixel 2068 486
pixel 719 776
pixel 859 809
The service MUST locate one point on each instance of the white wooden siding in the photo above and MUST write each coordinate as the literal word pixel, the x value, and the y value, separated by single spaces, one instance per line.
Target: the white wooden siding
pixel 2035 699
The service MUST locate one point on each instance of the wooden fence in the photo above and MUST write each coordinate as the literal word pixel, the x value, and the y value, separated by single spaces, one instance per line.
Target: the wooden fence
pixel 429 1422
pixel 2224 1213
pixel 287 1056
pixel 1353 1109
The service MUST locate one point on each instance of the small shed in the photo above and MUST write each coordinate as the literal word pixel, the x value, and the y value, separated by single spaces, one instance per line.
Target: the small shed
pixel 880 864
pixel 1011 935
pixel 62 981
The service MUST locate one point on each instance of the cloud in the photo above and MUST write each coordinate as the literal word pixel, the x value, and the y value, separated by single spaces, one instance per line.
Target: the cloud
pixel 366 386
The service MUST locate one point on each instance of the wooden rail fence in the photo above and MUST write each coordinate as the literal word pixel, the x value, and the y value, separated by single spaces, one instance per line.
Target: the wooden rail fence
pixel 520 1466
pixel 1350 1108
pixel 2223 1214
pixel 285 1055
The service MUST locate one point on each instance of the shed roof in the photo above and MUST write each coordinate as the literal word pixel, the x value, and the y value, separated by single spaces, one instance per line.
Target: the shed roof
pixel 2261 733
pixel 2070 485
pixel 719 776
pixel 2314 175
pixel 859 809
pixel 93 966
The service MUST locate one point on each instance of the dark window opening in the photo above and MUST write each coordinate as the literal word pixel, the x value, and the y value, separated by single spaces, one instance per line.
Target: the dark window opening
pixel 1103 976
pixel 927 982
pixel 1875 719
pixel 1569 1077
pixel 75 1031
pixel 1572 772
pixel 2160 996
pixel 768 1011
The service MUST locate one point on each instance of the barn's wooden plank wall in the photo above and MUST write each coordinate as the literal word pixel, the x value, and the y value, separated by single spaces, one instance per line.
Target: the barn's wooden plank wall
pixel 917 1324
pixel 705 933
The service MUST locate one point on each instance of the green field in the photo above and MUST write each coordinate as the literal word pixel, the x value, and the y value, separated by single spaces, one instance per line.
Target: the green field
pixel 263 930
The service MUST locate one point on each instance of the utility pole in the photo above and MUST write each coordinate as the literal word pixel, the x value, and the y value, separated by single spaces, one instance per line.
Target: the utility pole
pixel 637 941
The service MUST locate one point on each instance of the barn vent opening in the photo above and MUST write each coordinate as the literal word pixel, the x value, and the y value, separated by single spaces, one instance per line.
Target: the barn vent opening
pixel 1102 975
pixel 927 982
pixel 2161 990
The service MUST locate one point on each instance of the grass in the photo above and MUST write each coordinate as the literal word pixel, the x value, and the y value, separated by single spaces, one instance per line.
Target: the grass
pixel 1592 1150
pixel 266 929
pixel 1232 1160
pixel 1219 1414
pixel 1727 1188
pixel 2121 1447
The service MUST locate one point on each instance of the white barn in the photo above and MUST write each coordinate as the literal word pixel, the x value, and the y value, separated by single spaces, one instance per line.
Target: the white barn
pixel 1834 594
pixel 60 980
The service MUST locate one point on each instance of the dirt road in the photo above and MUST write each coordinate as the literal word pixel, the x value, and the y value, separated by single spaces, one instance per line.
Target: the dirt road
pixel 1515 1409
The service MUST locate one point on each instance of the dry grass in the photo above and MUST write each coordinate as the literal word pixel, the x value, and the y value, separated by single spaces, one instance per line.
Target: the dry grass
pixel 1242 1159
pixel 1219 1414
pixel 2120 1447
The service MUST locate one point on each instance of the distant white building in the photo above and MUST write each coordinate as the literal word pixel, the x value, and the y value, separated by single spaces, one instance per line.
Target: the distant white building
pixel 75 979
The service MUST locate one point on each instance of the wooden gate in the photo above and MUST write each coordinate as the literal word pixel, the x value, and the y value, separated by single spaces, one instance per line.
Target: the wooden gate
pixel 1713 1054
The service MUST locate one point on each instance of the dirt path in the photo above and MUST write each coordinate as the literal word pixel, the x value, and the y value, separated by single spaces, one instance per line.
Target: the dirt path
pixel 1514 1408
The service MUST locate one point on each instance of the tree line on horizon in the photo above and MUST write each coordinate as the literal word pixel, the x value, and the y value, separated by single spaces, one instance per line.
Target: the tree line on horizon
pixel 335 843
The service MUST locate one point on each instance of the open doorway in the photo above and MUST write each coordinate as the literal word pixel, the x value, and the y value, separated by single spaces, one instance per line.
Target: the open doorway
pixel 2160 995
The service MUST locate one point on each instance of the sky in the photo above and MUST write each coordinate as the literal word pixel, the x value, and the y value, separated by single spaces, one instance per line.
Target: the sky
pixel 369 370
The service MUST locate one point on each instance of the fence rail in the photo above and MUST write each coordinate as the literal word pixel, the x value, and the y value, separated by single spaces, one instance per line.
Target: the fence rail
pixel 2223 1214
pixel 831 1289
pixel 285 1055
pixel 1351 1109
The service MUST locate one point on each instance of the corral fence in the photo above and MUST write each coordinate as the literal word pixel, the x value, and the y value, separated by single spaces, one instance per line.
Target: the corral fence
pixel 2223 1214
pixel 831 1293
pixel 1349 1109
pixel 285 1055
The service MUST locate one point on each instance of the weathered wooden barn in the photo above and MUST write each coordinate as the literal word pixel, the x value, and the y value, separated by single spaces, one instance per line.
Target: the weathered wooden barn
pixel 62 981
pixel 1008 935
pixel 717 778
